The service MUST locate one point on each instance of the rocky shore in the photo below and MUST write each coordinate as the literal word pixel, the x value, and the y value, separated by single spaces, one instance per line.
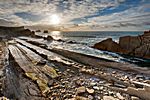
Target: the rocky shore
pixel 138 46
pixel 32 70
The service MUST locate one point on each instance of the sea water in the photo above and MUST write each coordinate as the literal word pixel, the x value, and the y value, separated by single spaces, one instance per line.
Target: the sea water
pixel 82 41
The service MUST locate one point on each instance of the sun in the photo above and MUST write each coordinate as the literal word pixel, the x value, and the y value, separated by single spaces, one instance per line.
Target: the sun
pixel 54 19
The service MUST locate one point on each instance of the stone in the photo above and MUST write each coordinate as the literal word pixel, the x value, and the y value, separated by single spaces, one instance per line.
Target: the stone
pixel 91 91
pixel 139 76
pixel 90 97
pixel 111 93
pixel 96 87
pixel 48 38
pixel 120 96
pixel 45 31
pixel 109 98
pixel 101 88
pixel 1 73
pixel 134 98
pixel 81 89
pixel 80 98
pixel 50 82
pixel 38 30
pixel 33 92
pixel 4 98
pixel 93 83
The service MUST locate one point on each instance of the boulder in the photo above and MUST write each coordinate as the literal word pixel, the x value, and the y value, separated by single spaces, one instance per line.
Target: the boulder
pixel 45 31
pixel 26 32
pixel 109 45
pixel 38 30
pixel 49 38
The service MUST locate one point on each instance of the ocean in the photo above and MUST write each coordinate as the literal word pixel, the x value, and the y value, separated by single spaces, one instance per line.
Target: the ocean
pixel 82 41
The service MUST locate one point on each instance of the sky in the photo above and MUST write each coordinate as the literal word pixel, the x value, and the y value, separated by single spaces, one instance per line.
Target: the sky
pixel 84 14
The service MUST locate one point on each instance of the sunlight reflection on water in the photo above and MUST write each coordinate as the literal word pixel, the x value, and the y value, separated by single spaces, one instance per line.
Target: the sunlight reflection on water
pixel 56 35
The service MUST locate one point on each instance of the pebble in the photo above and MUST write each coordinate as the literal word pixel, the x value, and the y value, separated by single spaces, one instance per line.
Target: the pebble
pixel 91 91
pixel 101 88
pixel 120 96
pixel 50 82
pixel 111 93
pixel 92 83
pixel 3 98
pixel 81 89
pixel 114 72
pixel 134 98
pixel 109 98
pixel 90 97
pixel 119 85
pixel 139 76
pixel 102 82
pixel 96 87
pixel 32 92
pixel 79 98
pixel 1 73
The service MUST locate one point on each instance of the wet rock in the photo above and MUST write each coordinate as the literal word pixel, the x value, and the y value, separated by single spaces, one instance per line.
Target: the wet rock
pixel 45 31
pixel 49 38
pixel 81 89
pixel 109 98
pixel 90 91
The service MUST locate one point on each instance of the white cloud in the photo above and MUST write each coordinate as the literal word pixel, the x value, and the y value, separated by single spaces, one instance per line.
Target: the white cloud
pixel 69 10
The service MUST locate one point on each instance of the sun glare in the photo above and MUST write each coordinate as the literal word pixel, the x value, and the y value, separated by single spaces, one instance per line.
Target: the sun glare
pixel 54 19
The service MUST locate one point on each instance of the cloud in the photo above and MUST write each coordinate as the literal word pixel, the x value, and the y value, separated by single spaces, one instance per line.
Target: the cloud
pixel 108 13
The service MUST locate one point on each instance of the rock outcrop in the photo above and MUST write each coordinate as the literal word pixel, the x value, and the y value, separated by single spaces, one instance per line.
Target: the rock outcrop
pixel 8 32
pixel 109 45
pixel 138 46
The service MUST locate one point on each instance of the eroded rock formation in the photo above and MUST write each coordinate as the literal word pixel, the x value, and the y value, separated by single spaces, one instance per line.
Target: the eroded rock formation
pixel 138 46
pixel 8 32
